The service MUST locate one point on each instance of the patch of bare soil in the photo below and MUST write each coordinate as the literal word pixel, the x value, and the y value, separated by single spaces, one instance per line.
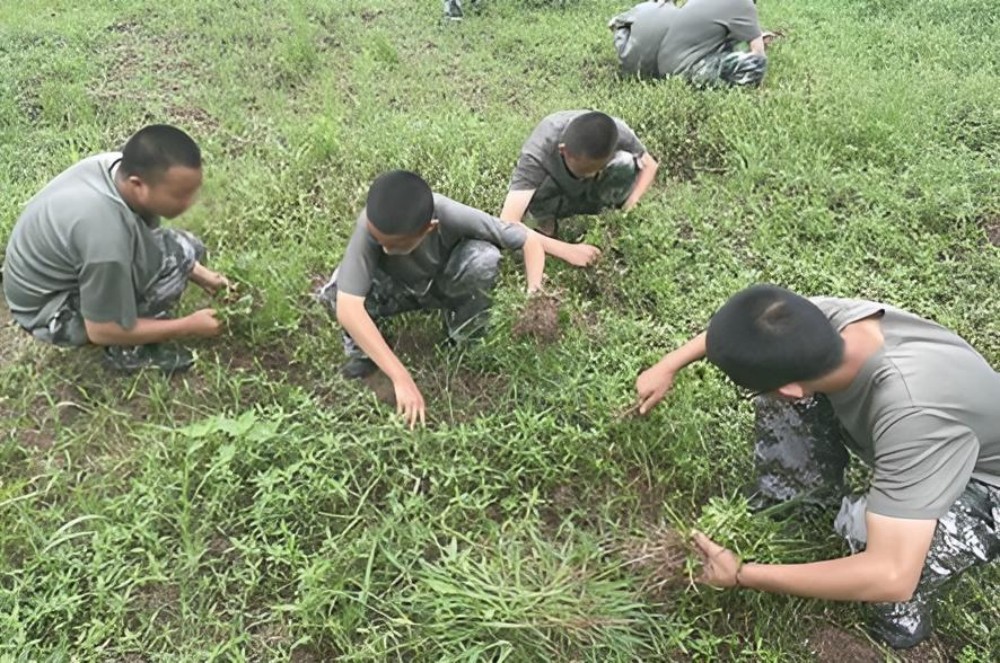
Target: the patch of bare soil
pixel 382 387
pixel 661 555
pixel 451 396
pixel 155 603
pixel 136 51
pixel 464 395
pixel 991 224
pixel 39 441
pixel 192 118
pixel 929 651
pixel 539 319
pixel 14 342
pixel 830 644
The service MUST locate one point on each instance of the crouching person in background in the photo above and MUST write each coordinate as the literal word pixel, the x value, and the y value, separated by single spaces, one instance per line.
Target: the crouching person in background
pixel 697 42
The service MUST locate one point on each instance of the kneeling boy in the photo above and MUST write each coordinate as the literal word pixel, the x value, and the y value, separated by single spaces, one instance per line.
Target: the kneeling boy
pixel 416 250
pixel 88 261
pixel 577 162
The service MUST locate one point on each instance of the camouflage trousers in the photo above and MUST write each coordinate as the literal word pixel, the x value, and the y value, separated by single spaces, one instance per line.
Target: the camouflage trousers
pixel 462 291
pixel 180 250
pixel 453 8
pixel 799 454
pixel 609 189
pixel 734 68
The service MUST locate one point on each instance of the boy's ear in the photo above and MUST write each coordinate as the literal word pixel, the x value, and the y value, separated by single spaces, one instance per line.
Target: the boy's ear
pixel 431 227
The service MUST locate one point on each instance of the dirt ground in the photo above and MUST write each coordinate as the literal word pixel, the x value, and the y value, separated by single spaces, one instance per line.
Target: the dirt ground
pixel 539 319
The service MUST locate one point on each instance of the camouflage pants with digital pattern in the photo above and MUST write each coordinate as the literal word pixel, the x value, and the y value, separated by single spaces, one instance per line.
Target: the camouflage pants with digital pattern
pixel 180 249
pixel 799 454
pixel 609 189
pixel 462 291
pixel 453 8
pixel 734 68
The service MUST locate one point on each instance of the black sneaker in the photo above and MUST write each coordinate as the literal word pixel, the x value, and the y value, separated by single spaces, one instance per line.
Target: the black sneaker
pixel 900 625
pixel 358 367
pixel 167 358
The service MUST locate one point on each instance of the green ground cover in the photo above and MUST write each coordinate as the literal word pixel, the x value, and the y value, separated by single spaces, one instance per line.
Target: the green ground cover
pixel 262 508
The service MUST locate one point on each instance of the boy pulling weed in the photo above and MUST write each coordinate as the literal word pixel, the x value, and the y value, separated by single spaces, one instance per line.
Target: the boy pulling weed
pixel 912 399
pixel 411 250
pixel 577 162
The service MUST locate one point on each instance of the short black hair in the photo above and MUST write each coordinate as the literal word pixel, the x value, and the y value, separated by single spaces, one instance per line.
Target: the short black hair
pixel 400 203
pixel 153 150
pixel 592 135
pixel 765 337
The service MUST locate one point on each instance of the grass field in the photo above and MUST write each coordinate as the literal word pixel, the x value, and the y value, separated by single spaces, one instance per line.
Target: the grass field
pixel 261 508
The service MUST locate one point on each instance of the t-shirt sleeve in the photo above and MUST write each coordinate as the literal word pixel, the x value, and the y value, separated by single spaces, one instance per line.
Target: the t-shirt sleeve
pixel 528 173
pixel 107 293
pixel 464 222
pixel 842 312
pixel 354 275
pixel 628 141
pixel 744 24
pixel 923 462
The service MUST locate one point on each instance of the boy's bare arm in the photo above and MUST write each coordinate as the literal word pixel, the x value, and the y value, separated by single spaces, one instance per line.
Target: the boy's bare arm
pixel 578 255
pixel 209 280
pixel 515 205
pixel 534 261
pixel 646 176
pixel 887 571
pixel 202 323
pixel 353 317
pixel 654 383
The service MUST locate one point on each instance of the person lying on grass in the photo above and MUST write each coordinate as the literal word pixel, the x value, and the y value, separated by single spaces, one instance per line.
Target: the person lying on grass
pixel 417 250
pixel 577 162
pixel 696 41
pixel 912 399
pixel 88 262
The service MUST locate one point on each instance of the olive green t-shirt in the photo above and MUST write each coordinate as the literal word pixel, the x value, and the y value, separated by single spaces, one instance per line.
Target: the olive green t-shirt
pixel 646 26
pixel 418 269
pixel 77 236
pixel 703 27
pixel 924 412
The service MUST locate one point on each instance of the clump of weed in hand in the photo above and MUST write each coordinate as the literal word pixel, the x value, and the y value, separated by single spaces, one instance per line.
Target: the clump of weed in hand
pixel 664 556
pixel 236 307
pixel 540 318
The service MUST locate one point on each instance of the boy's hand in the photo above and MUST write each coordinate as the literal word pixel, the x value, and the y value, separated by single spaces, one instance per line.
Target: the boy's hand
pixel 583 255
pixel 720 567
pixel 204 323
pixel 212 281
pixel 409 401
pixel 228 292
pixel 651 386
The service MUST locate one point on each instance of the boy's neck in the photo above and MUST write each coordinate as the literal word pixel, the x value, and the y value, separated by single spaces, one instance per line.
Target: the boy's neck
pixel 862 340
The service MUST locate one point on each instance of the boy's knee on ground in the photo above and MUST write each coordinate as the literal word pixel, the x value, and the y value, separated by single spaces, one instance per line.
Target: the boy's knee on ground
pixel 184 246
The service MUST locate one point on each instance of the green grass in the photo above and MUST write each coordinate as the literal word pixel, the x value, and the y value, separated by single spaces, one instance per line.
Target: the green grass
pixel 261 508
